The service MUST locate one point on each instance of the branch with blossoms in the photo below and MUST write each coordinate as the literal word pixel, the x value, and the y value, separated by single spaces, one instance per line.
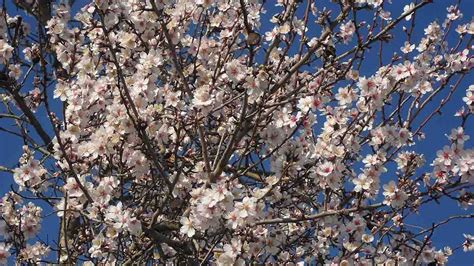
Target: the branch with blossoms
pixel 232 132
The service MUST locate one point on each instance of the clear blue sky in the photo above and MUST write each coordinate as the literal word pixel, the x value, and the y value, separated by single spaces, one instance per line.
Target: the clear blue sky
pixel 451 234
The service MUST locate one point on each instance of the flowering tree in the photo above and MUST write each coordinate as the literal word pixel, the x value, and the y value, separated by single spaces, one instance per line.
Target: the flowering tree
pixel 231 131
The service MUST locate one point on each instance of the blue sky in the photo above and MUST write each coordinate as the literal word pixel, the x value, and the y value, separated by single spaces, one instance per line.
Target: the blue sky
pixel 451 234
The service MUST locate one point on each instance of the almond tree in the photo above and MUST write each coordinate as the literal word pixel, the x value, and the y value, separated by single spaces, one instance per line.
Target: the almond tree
pixel 231 131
